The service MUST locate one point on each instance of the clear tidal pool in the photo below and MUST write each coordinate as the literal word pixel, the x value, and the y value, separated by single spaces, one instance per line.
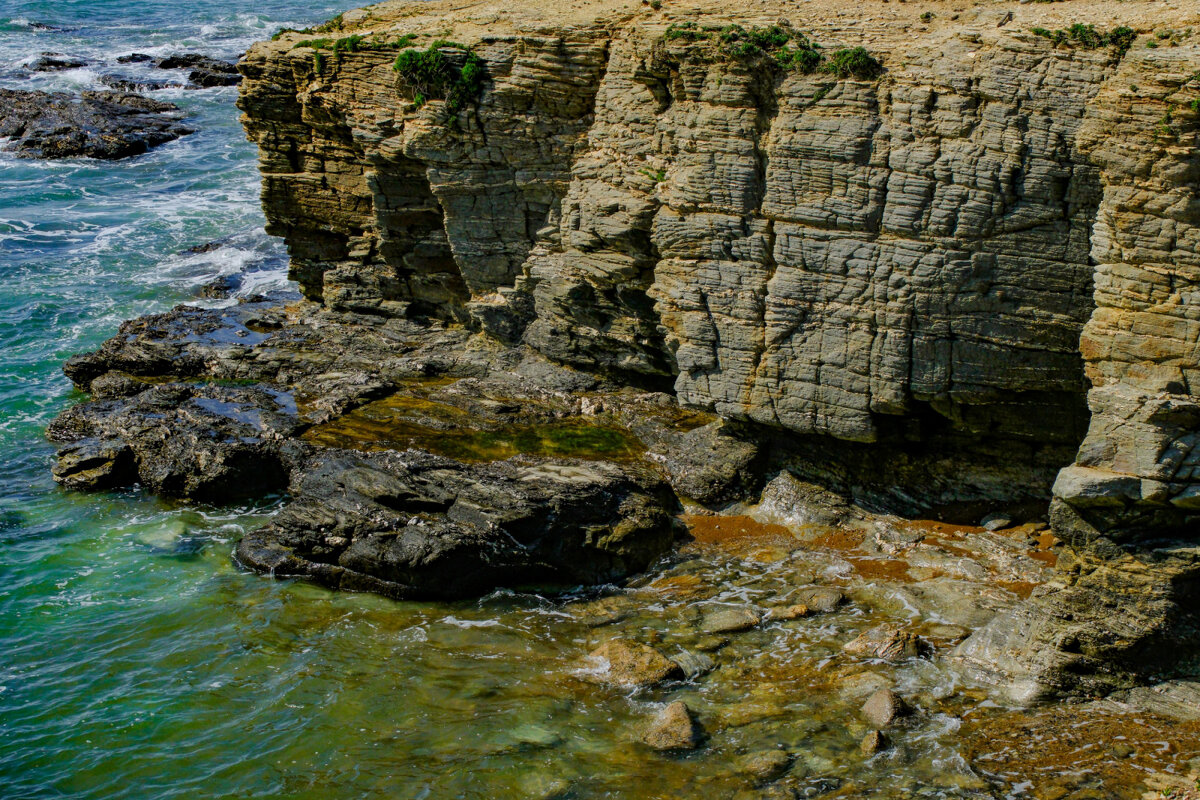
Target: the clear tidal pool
pixel 137 661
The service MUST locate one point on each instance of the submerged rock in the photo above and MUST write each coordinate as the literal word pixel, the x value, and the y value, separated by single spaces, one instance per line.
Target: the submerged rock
pixel 764 765
pixel 627 663
pixel 56 62
pixel 412 524
pixel 887 643
pixel 106 125
pixel 674 728
pixel 730 620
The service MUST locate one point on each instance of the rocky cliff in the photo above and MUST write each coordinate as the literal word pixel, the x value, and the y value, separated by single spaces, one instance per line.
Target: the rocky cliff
pixel 964 267
pixel 940 259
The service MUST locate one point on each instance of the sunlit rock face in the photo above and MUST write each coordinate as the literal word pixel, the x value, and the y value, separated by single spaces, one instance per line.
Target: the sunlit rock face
pixel 905 259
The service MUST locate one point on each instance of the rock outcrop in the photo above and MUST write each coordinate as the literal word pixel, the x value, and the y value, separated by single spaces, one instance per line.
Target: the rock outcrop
pixel 107 125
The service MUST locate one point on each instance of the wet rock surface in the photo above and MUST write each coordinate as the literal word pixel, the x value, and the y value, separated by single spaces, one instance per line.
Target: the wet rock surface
pixel 107 125
pixel 203 71
pixel 627 663
pixel 674 728
pixel 416 525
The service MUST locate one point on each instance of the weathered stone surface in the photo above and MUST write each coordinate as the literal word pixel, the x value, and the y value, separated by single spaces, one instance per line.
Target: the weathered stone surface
pixel 674 728
pixel 627 663
pixel 950 284
pixel 886 643
pixel 411 524
pixel 1113 618
pixel 106 125
pixel 883 707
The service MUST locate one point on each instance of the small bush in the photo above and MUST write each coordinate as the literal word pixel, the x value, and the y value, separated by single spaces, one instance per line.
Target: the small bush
pixel 1086 36
pixel 788 49
pixel 927 16
pixel 686 31
pixel 856 62
pixel 332 25
pixel 430 75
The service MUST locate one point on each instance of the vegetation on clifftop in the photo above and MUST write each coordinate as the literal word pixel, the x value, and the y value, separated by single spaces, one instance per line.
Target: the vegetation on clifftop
pixel 1086 36
pixel 789 49
pixel 432 75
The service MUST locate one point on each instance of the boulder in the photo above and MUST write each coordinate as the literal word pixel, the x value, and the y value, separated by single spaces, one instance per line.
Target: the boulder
pixel 883 707
pixel 412 524
pixel 887 643
pixel 627 663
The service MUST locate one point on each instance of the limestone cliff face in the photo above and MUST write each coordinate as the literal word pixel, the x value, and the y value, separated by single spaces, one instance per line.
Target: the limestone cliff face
pixel 997 241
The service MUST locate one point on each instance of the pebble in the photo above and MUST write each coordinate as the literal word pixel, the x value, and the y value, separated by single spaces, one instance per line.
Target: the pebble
pixel 883 707
pixel 731 620
pixel 674 728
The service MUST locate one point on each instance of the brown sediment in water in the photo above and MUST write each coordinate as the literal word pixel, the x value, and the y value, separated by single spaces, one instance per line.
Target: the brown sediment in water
pixel 715 529
pixel 1060 749
pixel 880 569
pixel 839 539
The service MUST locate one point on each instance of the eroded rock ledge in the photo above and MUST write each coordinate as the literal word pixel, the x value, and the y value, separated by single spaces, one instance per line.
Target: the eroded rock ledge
pixel 969 280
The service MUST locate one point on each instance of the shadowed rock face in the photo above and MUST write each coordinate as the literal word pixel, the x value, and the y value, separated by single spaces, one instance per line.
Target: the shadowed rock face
pixel 105 125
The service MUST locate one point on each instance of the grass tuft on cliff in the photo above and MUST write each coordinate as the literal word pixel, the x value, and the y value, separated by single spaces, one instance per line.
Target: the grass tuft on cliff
pixel 789 49
pixel 432 75
pixel 1087 37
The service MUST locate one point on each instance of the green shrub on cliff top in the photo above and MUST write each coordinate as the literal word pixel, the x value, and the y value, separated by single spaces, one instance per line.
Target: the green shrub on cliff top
pixel 1086 36
pixel 431 75
pixel 853 62
pixel 788 49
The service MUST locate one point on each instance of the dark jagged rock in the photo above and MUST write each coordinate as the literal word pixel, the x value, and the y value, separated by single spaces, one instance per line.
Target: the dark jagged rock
pixel 206 71
pixel 117 83
pixel 413 524
pixel 135 58
pixel 106 125
pixel 56 62
pixel 207 442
